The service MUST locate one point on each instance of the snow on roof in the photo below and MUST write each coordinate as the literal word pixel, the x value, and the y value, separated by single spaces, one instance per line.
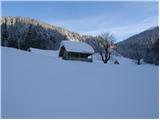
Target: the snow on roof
pixel 73 46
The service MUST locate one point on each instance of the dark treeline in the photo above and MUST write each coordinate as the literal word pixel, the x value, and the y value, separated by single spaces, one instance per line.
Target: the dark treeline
pixel 144 45
pixel 22 32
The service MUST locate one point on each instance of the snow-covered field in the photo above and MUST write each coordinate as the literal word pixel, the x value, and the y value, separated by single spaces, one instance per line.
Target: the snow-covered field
pixel 38 84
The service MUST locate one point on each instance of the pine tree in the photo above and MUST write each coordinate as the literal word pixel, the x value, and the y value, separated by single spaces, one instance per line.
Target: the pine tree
pixel 4 35
pixel 156 52
pixel 27 41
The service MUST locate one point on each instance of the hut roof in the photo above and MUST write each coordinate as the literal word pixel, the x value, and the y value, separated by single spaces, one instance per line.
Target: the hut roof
pixel 80 47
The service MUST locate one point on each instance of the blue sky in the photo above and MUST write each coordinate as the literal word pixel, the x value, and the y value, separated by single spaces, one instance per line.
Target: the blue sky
pixel 122 19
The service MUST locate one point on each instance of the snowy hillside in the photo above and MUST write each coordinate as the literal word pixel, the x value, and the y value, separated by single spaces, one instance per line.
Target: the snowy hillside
pixel 145 43
pixel 38 84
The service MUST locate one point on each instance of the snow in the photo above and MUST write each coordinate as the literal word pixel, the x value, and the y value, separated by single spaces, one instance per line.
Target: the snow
pixel 45 52
pixel 35 85
pixel 74 46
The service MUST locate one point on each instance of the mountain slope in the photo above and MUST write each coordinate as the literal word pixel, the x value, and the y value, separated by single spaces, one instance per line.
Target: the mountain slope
pixel 18 32
pixel 145 43
pixel 23 33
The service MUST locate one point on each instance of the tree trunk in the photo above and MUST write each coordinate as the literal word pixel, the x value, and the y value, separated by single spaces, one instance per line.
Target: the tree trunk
pixel 105 58
pixel 139 61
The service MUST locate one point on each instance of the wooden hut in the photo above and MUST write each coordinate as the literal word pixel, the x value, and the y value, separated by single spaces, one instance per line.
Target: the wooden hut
pixel 81 51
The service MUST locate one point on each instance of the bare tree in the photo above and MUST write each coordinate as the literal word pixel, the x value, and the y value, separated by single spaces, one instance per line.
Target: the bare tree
pixel 137 55
pixel 107 40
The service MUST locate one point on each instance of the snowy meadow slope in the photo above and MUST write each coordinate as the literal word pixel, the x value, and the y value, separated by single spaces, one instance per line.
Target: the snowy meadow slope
pixel 38 84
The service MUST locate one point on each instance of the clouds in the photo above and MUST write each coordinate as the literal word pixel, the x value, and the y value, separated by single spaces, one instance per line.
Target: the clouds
pixel 126 20
pixel 85 24
pixel 122 32
pixel 100 24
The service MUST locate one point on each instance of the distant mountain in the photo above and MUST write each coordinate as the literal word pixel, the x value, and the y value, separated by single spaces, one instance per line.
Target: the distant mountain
pixel 20 32
pixel 144 44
